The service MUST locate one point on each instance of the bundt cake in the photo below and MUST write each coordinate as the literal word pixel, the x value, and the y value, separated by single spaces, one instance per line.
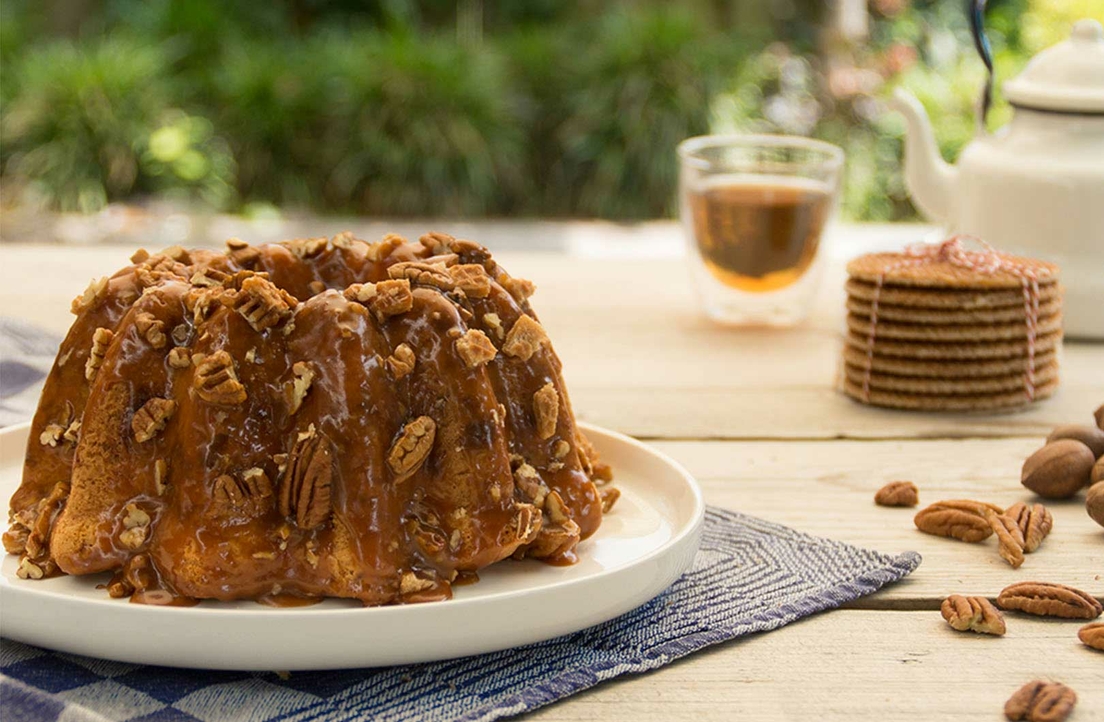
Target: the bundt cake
pixel 206 434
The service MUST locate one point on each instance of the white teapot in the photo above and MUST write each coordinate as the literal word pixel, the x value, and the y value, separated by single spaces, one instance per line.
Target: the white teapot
pixel 1036 186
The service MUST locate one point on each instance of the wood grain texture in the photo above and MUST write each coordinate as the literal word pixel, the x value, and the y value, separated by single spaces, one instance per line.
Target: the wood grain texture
pixel 853 665
pixel 827 489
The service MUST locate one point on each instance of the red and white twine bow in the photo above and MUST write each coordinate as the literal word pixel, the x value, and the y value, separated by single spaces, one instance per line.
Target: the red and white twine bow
pixel 987 261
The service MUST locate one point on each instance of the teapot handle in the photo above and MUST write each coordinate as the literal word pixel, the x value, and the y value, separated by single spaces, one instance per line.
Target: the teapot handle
pixel 976 10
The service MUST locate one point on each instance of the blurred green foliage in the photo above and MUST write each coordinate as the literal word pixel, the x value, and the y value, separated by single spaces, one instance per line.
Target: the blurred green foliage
pixel 469 108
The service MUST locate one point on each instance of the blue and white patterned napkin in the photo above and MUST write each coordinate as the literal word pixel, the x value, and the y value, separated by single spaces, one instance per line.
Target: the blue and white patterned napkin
pixel 749 576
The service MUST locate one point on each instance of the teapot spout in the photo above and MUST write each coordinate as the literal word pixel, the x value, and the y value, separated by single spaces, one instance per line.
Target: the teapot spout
pixel 929 178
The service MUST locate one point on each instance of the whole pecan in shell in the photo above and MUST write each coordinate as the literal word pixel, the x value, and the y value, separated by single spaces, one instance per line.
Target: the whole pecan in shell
pixel 1059 469
pixel 1049 600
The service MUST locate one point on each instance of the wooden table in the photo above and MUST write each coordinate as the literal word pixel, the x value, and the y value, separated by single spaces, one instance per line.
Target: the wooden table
pixel 753 414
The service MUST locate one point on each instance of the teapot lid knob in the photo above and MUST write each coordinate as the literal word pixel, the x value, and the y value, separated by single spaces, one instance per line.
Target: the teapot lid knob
pixel 1065 78
pixel 1087 31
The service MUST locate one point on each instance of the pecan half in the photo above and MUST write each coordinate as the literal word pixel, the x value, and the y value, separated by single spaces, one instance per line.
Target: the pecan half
pixel 1009 536
pixel 101 339
pixel 555 508
pixel 412 447
pixel 262 304
pixel 96 289
pixel 546 410
pixel 1049 600
pixel 391 298
pixel 402 361
pixel 151 418
pixel 305 489
pixel 975 614
pixel 216 381
pixel 897 493
pixel 1035 523
pixel 1040 701
pixel 956 518
pixel 303 376
pixel 151 328
pixel 423 274
pixel 472 279
pixel 525 337
pixel 1092 635
pixel 246 495
pixel 475 348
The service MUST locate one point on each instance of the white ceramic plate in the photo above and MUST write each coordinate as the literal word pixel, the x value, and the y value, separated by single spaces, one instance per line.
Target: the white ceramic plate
pixel 643 546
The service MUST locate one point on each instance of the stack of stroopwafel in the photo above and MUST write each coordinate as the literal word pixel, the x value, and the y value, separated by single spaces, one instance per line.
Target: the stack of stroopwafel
pixel 942 328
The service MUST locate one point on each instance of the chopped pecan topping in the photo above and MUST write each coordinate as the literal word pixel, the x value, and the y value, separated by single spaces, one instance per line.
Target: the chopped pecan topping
pixel 346 239
pixel 177 253
pixel 300 385
pixel 179 358
pixel 160 476
pixel 1040 701
pixel 15 538
pixel 456 539
pixel 423 274
pixel 411 583
pixel 428 538
pixel 136 525
pixel 412 447
pixel 448 260
pixel 475 348
pixel 471 278
pixel 532 487
pixel 1009 536
pixel 519 288
pixel 241 253
pixel 72 432
pixel 1049 600
pixel 305 489
pixel 957 518
pixel 1034 521
pixel 96 289
pixel 236 244
pixel 316 287
pixel 101 339
pixel 437 242
pixel 383 248
pixel 51 435
pixel 402 361
pixel 898 493
pixel 180 334
pixel 139 256
pixel 201 301
pixel 262 304
pixel 151 418
pixel 555 508
pixel 528 523
pixel 526 336
pixel 975 614
pixel 29 570
pixel 1092 635
pixel 360 292
pixel 216 381
pixel 494 325
pixel 247 495
pixel 560 449
pixel 546 410
pixel 37 545
pixel 609 496
pixel 307 247
pixel 554 541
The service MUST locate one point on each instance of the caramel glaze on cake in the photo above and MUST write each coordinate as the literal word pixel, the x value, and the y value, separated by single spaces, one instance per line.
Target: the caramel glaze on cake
pixel 204 433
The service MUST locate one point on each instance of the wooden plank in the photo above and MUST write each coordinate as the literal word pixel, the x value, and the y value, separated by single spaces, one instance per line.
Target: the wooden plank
pixel 853 665
pixel 827 489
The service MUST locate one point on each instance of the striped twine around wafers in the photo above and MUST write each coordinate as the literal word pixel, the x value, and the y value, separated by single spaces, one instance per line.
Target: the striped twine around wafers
pixel 986 261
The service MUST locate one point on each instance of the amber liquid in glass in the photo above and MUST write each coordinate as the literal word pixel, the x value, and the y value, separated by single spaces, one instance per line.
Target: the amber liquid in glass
pixel 759 235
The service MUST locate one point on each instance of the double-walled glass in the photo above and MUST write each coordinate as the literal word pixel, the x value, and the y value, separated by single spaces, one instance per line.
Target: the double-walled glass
pixel 754 208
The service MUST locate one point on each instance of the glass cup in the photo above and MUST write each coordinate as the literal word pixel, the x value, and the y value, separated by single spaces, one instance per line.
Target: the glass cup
pixel 754 208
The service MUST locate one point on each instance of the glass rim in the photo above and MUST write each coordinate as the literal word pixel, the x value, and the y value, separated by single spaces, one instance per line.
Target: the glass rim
pixel 688 149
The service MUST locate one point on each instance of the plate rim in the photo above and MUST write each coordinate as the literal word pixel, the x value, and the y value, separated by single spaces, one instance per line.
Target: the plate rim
pixel 399 614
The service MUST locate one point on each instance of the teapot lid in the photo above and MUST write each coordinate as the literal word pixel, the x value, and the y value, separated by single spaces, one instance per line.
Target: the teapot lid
pixel 1067 77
